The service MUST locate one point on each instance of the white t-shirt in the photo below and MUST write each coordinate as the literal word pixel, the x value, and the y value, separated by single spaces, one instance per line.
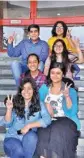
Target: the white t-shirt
pixel 56 102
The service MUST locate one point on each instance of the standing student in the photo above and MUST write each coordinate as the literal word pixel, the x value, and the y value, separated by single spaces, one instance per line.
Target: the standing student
pixel 24 114
pixel 27 46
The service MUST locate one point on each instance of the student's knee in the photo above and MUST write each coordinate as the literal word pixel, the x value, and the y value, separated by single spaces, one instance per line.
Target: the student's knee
pixel 13 145
pixel 31 137
pixel 15 64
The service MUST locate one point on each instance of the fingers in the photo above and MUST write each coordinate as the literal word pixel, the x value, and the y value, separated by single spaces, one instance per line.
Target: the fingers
pixel 10 98
pixel 14 35
pixel 66 85
pixel 70 85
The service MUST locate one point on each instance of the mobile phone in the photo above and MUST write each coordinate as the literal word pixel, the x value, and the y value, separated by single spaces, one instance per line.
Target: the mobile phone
pixel 19 132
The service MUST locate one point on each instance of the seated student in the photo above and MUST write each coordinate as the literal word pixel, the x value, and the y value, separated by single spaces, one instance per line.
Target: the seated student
pixel 61 54
pixel 61 31
pixel 23 116
pixel 61 137
pixel 33 71
pixel 24 48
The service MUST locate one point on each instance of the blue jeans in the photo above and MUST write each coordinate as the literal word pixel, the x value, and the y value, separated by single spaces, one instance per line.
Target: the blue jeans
pixel 77 70
pixel 14 148
pixel 18 68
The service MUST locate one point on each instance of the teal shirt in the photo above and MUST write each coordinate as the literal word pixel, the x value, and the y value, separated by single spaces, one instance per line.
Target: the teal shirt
pixel 69 112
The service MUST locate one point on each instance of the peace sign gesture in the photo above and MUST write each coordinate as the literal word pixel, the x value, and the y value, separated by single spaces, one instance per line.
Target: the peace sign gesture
pixel 11 38
pixel 68 34
pixel 66 90
pixel 9 102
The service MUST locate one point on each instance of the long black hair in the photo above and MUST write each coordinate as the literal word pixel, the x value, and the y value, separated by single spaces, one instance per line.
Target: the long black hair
pixel 65 28
pixel 19 103
pixel 65 53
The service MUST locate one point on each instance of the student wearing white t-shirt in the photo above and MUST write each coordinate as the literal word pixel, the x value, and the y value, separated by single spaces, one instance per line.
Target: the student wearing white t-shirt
pixel 60 139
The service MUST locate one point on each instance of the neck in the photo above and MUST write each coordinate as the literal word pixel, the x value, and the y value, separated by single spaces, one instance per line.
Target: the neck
pixel 57 84
pixel 34 73
pixel 60 36
pixel 27 102
pixel 59 57
pixel 35 41
pixel 56 88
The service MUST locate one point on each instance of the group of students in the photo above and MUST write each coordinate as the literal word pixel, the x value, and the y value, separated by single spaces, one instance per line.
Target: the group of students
pixel 42 117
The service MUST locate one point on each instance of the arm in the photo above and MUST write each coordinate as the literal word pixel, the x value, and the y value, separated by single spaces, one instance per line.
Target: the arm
pixel 79 53
pixel 47 66
pixel 74 107
pixel 44 52
pixel 43 121
pixel 16 51
pixel 8 118
pixel 50 110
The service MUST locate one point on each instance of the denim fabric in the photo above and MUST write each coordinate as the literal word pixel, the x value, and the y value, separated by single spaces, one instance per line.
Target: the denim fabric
pixel 18 123
pixel 15 148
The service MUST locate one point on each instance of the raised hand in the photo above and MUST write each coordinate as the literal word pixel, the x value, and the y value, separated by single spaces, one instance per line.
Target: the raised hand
pixel 9 103
pixel 66 90
pixel 76 42
pixel 68 34
pixel 11 38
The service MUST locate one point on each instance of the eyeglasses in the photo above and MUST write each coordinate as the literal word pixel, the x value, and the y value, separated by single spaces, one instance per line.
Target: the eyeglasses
pixel 61 27
pixel 58 46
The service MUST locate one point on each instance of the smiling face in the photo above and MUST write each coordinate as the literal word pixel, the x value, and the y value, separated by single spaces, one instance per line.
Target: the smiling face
pixel 27 91
pixel 59 29
pixel 56 75
pixel 34 34
pixel 58 47
pixel 33 63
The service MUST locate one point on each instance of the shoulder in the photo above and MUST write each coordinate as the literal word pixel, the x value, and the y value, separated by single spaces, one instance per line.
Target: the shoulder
pixel 51 39
pixel 65 40
pixel 25 40
pixel 44 43
pixel 41 74
pixel 44 87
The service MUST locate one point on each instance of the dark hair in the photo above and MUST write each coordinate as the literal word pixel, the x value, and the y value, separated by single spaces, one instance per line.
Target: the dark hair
pixel 33 26
pixel 33 54
pixel 19 103
pixel 59 65
pixel 65 54
pixel 64 28
pixel 28 71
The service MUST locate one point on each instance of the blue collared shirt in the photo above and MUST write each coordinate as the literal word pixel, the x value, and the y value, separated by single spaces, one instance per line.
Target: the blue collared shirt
pixel 26 47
